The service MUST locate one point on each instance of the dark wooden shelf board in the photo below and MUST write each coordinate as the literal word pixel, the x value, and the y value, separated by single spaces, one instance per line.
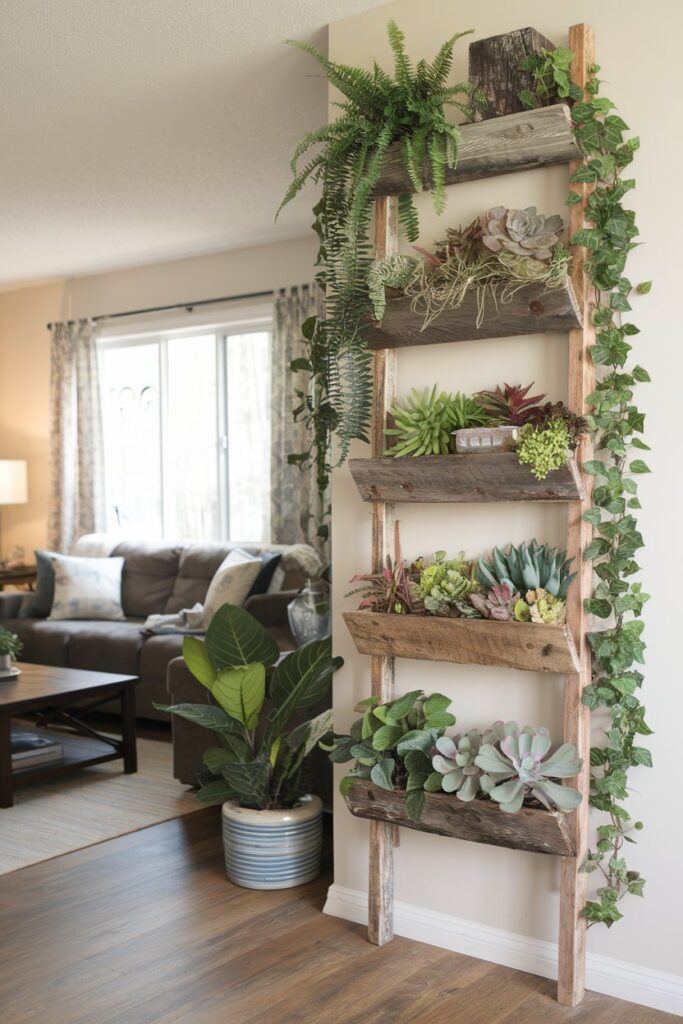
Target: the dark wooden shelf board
pixel 479 821
pixel 500 145
pixel 484 476
pixel 533 309
pixel 524 645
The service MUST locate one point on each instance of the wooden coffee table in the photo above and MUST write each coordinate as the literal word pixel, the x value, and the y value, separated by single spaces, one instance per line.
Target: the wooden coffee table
pixel 58 696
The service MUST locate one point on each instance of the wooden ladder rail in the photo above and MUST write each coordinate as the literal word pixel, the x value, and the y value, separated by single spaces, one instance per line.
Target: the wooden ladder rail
pixel 573 885
pixel 383 836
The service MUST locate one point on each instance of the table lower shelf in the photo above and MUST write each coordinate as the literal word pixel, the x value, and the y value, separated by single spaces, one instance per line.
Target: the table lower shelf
pixel 77 752
pixel 479 821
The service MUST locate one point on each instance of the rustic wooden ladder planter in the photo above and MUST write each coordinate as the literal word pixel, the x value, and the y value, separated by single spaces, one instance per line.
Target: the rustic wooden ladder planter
pixel 498 146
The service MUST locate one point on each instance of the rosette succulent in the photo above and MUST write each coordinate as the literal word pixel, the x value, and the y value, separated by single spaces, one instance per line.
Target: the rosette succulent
pixel 519 757
pixel 510 404
pixel 521 232
pixel 444 584
pixel 454 765
pixel 545 607
pixel 423 424
pixel 499 603
pixel 527 567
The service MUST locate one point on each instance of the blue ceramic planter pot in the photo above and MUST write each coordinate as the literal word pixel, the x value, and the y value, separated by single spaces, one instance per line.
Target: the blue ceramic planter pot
pixel 272 849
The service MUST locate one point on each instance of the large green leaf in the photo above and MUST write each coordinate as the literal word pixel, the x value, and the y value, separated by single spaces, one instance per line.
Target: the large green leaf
pixel 207 715
pixel 250 781
pixel 301 679
pixel 235 637
pixel 216 792
pixel 198 661
pixel 241 691
pixel 308 734
pixel 216 758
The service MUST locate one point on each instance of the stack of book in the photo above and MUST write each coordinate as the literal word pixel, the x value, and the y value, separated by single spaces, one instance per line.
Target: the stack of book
pixel 30 749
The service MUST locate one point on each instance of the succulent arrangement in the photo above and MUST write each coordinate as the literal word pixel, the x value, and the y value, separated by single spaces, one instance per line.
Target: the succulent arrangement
pixel 493 256
pixel 528 583
pixel 423 425
pixel 510 404
pixel 402 744
pixel 543 447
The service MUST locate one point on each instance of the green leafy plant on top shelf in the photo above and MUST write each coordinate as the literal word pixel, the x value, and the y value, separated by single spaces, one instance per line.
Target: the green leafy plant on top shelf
pixel 551 78
pixel 392 744
pixel 425 421
pixel 616 424
pixel 345 158
pixel 446 583
pixel 10 643
pixel 520 758
pixel 259 758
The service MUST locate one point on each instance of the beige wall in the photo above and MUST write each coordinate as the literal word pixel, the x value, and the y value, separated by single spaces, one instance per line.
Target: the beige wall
pixel 503 889
pixel 25 343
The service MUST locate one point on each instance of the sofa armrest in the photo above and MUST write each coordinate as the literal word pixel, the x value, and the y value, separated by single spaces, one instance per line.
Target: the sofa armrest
pixel 270 609
pixel 10 603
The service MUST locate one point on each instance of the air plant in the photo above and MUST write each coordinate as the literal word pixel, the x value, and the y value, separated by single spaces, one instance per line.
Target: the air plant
pixel 520 758
pixel 499 603
pixel 510 404
pixel 455 770
pixel 391 590
pixel 445 584
pixel 527 567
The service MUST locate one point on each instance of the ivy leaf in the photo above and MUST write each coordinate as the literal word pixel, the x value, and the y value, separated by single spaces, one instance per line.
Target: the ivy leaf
pixel 641 375
pixel 638 466
pixel 644 287
pixel 641 755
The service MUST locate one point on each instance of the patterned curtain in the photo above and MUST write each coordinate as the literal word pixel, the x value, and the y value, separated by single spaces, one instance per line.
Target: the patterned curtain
pixel 296 505
pixel 77 484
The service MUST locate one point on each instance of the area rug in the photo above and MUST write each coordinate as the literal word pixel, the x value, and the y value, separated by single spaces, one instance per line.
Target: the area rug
pixel 68 812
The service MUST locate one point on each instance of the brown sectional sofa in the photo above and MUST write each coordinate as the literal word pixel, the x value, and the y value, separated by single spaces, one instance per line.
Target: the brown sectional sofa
pixel 158 578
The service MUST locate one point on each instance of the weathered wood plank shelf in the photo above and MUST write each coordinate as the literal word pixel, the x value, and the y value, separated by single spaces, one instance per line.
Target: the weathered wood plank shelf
pixel 501 145
pixel 479 821
pixel 533 309
pixel 480 477
pixel 530 646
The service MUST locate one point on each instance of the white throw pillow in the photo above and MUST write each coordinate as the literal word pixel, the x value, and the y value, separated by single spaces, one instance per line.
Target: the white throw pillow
pixel 87 588
pixel 232 582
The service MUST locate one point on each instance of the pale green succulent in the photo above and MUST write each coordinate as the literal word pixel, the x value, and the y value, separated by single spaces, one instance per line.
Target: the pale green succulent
pixel 388 272
pixel 545 607
pixel 444 583
pixel 454 761
pixel 543 447
pixel 520 758
pixel 527 567
pixel 423 424
pixel 522 233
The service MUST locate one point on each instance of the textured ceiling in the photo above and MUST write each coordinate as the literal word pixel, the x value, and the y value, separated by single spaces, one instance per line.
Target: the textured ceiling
pixel 140 130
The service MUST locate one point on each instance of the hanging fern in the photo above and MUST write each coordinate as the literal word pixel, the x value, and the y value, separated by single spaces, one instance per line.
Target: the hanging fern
pixel 377 111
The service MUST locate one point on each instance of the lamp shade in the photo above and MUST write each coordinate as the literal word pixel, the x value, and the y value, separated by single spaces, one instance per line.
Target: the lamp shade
pixel 13 486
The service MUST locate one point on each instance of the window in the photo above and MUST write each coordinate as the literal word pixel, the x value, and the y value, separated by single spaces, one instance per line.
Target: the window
pixel 186 422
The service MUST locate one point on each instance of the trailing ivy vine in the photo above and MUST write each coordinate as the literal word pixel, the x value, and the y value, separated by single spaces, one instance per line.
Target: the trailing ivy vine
pixel 616 424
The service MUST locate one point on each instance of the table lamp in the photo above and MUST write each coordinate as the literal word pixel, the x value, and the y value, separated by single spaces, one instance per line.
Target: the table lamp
pixel 13 487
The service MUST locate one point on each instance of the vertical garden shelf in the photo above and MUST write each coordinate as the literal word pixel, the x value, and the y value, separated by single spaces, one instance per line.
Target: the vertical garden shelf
pixel 492 147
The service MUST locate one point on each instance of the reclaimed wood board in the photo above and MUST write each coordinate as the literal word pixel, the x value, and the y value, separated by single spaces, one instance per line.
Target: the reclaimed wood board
pixel 480 477
pixel 495 69
pixel 479 821
pixel 501 145
pixel 533 309
pixel 529 646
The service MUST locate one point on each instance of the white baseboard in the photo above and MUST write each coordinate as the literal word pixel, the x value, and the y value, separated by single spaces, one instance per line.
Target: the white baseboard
pixel 643 985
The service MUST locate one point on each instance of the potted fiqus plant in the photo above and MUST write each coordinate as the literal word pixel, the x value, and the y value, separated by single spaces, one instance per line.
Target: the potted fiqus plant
pixel 10 647
pixel 258 767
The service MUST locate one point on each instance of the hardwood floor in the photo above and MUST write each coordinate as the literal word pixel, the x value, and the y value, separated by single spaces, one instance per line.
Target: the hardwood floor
pixel 145 929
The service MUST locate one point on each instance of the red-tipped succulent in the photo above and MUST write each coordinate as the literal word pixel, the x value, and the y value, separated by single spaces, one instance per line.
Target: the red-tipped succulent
pixel 510 404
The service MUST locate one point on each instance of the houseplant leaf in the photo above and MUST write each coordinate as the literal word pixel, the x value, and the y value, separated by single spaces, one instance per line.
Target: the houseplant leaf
pixel 308 734
pixel 241 691
pixel 206 715
pixel 300 680
pixel 249 781
pixel 235 637
pixel 198 661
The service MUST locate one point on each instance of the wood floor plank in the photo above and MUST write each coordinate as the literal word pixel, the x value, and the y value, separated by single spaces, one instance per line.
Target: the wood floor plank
pixel 146 929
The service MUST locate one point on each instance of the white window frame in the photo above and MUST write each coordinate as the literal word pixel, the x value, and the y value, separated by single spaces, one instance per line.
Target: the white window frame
pixel 223 324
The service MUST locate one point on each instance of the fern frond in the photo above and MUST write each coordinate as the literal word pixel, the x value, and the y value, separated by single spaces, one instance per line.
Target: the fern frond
pixel 407 215
pixel 402 68
pixel 440 67
pixel 437 160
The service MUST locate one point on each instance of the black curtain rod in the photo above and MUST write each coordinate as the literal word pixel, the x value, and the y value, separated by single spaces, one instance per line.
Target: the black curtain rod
pixel 189 306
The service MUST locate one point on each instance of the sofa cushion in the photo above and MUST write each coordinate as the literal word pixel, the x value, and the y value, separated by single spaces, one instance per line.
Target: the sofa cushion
pixel 87 588
pixel 233 580
pixel 105 646
pixel 38 603
pixel 149 574
pixel 197 567
pixel 45 642
pixel 156 653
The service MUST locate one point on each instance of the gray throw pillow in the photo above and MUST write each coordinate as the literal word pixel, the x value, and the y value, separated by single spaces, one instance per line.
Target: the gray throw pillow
pixel 38 604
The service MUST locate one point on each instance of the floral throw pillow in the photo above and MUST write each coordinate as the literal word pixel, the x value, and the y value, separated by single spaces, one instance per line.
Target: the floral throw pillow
pixel 87 588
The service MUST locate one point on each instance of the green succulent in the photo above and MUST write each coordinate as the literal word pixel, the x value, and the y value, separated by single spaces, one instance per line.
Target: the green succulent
pixel 520 758
pixel 521 233
pixel 426 420
pixel 454 764
pixel 445 583
pixel 544 447
pixel 545 607
pixel 527 567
